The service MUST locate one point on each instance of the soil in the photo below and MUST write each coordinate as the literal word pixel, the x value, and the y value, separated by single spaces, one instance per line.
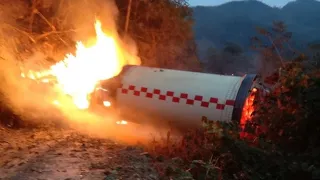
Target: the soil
pixel 49 154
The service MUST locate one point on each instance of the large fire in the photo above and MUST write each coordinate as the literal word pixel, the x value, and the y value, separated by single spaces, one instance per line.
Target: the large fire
pixel 77 75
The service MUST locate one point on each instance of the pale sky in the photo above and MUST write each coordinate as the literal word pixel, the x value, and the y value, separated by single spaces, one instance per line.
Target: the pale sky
pixel 278 3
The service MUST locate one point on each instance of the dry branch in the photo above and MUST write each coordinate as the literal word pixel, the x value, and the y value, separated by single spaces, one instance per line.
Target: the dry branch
pixel 21 31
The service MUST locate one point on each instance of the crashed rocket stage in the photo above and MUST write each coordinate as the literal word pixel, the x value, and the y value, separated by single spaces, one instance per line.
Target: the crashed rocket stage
pixel 181 97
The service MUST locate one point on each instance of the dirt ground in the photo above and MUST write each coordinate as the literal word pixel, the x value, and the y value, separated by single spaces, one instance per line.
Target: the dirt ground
pixel 53 154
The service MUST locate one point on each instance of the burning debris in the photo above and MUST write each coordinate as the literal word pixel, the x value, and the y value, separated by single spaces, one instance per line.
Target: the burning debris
pixel 77 75
pixel 248 108
pixel 49 73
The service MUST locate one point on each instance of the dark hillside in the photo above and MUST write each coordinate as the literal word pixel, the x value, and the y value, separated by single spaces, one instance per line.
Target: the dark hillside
pixel 236 22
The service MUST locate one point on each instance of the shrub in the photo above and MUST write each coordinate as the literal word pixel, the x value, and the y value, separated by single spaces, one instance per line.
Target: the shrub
pixel 287 147
pixel 289 111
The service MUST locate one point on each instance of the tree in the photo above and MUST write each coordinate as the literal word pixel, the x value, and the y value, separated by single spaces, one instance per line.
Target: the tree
pixel 163 32
pixel 233 48
pixel 229 60
pixel 315 53
pixel 162 29
pixel 213 61
pixel 288 114
pixel 273 46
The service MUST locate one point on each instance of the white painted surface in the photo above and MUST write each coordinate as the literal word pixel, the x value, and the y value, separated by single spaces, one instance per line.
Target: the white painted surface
pixel 208 85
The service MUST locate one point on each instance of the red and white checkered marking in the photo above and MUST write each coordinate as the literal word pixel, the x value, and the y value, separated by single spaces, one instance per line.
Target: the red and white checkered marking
pixel 175 97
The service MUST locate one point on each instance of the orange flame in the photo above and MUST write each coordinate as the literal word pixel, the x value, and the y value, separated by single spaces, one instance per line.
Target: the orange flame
pixel 247 111
pixel 122 122
pixel 248 108
pixel 77 75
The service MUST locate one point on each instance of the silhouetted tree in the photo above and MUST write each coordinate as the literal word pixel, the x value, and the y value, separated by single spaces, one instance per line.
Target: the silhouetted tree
pixel 273 46
pixel 233 48
pixel 315 53
pixel 163 32
pixel 213 61
pixel 161 29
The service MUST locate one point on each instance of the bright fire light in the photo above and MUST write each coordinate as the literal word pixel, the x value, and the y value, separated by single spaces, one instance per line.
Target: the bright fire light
pixel 247 111
pixel 248 107
pixel 107 103
pixel 122 122
pixel 77 75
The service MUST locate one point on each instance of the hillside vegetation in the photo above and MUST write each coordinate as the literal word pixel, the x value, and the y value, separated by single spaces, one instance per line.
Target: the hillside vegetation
pixel 236 21
pixel 282 139
pixel 224 33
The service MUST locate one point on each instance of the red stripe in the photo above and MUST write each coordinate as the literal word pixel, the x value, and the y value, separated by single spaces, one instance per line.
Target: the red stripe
pixel 149 95
pixel 184 95
pixel 170 93
pixel 213 100
pixel 230 102
pixel 190 101
pixel 162 96
pixel 205 104
pixel 176 99
pixel 220 106
pixel 198 98
pixel 136 93
pixel 131 87
pixel 144 89
pixel 156 91
pixel 124 91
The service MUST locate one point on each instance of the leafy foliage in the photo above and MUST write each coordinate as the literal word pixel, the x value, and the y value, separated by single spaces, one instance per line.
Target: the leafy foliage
pixel 285 125
pixel 229 60
pixel 287 115
pixel 163 32
pixel 315 53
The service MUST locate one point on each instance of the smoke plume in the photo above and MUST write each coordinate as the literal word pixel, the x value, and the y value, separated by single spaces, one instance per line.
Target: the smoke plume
pixel 20 51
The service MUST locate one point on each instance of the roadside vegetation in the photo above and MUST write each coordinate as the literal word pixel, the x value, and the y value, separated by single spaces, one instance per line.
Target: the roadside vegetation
pixel 284 141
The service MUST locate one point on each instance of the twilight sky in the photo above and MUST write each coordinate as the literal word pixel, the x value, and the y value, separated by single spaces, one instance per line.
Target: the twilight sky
pixel 218 2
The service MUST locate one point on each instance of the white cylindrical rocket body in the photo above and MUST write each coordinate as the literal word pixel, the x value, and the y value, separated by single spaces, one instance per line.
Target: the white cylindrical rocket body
pixel 180 96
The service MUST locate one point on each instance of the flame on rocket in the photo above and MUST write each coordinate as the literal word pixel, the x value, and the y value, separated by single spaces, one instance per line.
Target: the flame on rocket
pixel 77 75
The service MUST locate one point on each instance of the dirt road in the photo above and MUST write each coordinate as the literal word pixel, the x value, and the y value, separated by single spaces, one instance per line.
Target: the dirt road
pixel 51 154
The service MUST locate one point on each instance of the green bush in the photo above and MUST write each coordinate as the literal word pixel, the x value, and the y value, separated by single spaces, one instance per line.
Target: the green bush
pixel 286 145
pixel 289 113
